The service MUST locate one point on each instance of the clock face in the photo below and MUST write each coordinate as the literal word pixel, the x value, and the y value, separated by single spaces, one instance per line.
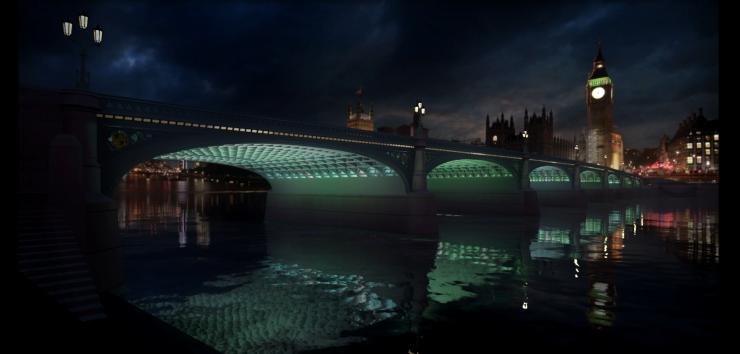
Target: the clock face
pixel 598 92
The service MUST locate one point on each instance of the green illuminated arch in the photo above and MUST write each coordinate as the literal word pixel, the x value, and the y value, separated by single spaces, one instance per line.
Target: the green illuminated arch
pixel 628 182
pixel 303 169
pixel 468 175
pixel 590 180
pixel 549 178
pixel 613 181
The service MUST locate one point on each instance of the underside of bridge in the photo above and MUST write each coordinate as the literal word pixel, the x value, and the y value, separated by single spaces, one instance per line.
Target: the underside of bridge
pixel 614 181
pixel 590 180
pixel 298 169
pixel 478 186
pixel 326 186
pixel 549 178
pixel 470 176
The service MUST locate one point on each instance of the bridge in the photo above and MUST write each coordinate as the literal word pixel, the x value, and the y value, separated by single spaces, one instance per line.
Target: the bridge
pixel 77 143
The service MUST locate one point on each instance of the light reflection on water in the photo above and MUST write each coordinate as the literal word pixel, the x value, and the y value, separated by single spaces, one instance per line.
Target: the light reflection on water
pixel 194 260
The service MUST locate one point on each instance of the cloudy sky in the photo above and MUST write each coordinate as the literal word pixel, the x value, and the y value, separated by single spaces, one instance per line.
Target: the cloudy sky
pixel 305 61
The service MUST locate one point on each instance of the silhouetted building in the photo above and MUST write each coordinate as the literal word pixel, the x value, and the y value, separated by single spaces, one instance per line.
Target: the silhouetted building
pixel 358 118
pixel 540 138
pixel 603 143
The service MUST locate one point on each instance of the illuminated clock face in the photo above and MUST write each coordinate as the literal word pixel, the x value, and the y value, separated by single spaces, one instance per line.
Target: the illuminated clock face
pixel 598 93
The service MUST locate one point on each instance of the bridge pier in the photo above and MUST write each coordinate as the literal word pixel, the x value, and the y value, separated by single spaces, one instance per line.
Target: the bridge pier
pixel 413 213
pixel 96 214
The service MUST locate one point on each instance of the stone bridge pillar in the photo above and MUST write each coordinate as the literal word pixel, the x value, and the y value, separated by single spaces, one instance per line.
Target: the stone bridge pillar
pixel 98 237
pixel 605 180
pixel 524 175
pixel 419 178
pixel 530 199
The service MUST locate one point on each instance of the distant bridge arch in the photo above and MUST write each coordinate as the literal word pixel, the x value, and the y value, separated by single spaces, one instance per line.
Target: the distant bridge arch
pixel 590 180
pixel 471 176
pixel 549 178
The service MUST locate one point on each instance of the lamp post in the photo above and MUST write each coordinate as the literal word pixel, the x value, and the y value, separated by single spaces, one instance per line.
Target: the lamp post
pixel 605 160
pixel 83 80
pixel 525 135
pixel 576 149
pixel 419 180
pixel 419 112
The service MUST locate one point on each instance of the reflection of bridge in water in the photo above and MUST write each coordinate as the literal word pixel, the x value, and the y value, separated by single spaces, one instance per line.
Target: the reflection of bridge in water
pixel 370 277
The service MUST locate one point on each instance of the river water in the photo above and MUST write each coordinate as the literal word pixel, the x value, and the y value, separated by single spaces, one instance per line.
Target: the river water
pixel 634 275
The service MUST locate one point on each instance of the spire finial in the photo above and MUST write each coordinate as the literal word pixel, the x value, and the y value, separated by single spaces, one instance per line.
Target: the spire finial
pixel 599 55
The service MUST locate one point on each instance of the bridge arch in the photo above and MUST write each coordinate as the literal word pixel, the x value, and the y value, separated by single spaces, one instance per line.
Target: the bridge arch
pixel 613 181
pixel 590 180
pixel 303 169
pixel 470 176
pixel 297 170
pixel 548 177
pixel 628 182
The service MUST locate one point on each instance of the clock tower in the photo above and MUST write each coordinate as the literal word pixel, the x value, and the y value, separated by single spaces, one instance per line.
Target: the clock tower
pixel 603 143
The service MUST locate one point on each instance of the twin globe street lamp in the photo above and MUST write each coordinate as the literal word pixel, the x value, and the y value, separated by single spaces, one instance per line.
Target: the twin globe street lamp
pixel 525 135
pixel 83 80
pixel 419 112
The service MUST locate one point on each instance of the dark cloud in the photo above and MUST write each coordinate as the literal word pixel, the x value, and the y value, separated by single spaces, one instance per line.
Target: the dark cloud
pixel 301 61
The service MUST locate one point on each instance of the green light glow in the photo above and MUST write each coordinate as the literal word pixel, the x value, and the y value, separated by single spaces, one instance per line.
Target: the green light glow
pixel 591 226
pixel 551 243
pixel 590 177
pixel 548 174
pixel 468 169
pixel 459 265
pixel 613 181
pixel 601 81
pixel 275 161
pixel 630 214
pixel 561 236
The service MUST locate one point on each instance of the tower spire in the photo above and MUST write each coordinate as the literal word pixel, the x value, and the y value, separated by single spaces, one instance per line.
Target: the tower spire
pixel 599 54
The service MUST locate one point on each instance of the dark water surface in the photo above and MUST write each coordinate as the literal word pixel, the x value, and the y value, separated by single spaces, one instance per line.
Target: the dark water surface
pixel 636 275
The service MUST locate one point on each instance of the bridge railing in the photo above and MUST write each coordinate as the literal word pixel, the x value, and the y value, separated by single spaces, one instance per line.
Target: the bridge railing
pixel 145 108
pixel 118 105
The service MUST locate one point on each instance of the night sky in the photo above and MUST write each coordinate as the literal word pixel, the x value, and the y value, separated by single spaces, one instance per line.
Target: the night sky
pixel 305 62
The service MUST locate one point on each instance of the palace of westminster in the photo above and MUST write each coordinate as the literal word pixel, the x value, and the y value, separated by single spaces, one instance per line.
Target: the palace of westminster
pixel 599 144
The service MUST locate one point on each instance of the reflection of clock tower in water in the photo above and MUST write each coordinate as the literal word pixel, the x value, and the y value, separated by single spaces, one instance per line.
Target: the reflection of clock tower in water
pixel 603 143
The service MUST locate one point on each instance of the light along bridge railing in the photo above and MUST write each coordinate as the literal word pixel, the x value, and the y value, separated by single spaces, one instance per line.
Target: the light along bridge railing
pixel 164 114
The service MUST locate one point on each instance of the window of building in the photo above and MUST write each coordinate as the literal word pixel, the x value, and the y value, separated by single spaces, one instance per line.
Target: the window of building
pixel 689 145
pixel 707 144
pixel 716 151
pixel 706 151
pixel 495 138
pixel 698 159
pixel 716 144
pixel 716 137
pixel 689 160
